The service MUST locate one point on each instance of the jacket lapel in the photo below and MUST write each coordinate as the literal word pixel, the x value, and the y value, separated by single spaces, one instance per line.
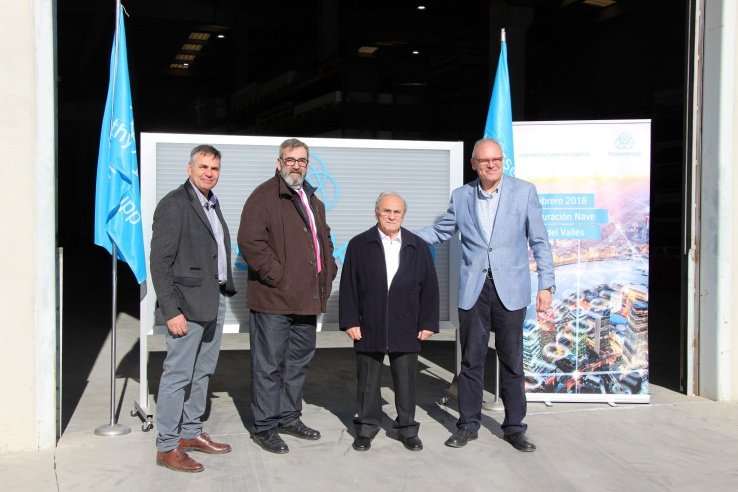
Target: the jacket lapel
pixel 375 238
pixel 503 205
pixel 195 203
pixel 226 236
pixel 473 211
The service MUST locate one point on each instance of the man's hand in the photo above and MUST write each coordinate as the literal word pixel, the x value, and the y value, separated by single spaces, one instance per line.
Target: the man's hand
pixel 424 334
pixel 543 303
pixel 177 326
pixel 354 333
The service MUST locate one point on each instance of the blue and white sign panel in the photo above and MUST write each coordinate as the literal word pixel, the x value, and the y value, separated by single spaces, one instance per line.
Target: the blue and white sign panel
pixel 593 180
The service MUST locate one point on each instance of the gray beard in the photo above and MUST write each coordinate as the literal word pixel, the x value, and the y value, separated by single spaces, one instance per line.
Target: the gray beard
pixel 294 181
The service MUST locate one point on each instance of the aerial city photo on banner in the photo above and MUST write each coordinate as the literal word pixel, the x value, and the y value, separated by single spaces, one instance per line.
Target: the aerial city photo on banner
pixel 593 181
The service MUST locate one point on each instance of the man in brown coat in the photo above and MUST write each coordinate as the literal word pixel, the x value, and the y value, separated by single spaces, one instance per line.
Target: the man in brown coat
pixel 284 238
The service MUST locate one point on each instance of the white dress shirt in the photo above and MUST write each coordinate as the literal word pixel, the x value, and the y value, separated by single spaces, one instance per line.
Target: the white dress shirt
pixel 391 254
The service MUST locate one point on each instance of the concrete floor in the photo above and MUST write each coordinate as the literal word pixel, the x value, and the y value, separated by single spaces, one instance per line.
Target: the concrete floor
pixel 674 443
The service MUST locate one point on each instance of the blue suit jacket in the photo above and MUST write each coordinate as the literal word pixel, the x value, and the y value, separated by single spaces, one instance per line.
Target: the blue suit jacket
pixel 518 224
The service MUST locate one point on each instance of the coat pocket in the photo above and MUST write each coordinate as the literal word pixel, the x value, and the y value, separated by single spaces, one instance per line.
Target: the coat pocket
pixel 188 281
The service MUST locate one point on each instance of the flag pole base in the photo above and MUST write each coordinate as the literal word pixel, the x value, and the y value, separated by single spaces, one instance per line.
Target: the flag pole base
pixel 112 430
pixel 494 406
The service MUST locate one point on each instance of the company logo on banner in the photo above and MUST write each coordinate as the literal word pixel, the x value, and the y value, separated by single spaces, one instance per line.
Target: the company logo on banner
pixel 624 141
pixel 593 183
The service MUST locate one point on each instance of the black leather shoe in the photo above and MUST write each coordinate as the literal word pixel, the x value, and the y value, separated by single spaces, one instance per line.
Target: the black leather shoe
pixel 270 441
pixel 362 443
pixel 413 443
pixel 521 442
pixel 459 438
pixel 298 429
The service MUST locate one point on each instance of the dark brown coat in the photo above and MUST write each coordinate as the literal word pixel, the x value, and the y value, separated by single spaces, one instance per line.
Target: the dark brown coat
pixel 274 239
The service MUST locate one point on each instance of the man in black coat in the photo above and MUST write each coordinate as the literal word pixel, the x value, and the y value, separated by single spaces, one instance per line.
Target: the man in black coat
pixel 388 303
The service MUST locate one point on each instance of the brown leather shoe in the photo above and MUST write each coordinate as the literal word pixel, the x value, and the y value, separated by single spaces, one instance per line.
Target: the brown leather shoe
pixel 204 444
pixel 177 460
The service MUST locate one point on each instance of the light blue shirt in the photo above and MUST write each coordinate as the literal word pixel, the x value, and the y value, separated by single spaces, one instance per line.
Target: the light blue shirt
pixel 209 206
pixel 487 204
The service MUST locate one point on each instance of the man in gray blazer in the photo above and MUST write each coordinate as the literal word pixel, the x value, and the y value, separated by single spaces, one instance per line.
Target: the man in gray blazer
pixel 191 271
pixel 498 218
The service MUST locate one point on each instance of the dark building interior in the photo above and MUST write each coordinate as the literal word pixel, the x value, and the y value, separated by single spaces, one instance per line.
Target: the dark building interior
pixel 367 69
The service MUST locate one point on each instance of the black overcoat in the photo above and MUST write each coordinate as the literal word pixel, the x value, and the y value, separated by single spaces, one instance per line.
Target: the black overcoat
pixel 389 320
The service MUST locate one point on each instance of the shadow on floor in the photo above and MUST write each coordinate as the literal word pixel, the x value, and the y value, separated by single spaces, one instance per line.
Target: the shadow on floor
pixel 331 383
pixel 87 317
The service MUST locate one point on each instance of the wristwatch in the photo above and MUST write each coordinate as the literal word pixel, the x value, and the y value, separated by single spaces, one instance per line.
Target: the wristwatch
pixel 551 289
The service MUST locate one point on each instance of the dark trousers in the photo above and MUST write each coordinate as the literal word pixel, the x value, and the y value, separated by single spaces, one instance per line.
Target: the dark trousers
pixel 282 347
pixel 488 314
pixel 404 366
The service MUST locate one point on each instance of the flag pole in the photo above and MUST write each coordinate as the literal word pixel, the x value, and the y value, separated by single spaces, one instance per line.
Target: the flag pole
pixel 496 404
pixel 113 428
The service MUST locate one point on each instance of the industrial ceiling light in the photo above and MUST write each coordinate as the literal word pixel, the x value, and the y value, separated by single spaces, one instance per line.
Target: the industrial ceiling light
pixel 191 47
pixel 367 50
pixel 599 3
pixel 199 36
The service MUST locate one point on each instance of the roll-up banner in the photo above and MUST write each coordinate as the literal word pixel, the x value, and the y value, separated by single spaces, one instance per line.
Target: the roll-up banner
pixel 593 180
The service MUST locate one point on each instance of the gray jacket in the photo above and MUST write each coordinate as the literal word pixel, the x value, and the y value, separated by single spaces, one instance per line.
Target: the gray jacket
pixel 184 257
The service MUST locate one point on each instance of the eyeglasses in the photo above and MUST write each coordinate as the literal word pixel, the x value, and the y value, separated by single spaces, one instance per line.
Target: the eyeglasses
pixel 290 161
pixel 389 213
pixel 487 162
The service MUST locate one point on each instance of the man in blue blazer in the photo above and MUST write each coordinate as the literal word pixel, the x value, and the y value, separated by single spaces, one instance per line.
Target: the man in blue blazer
pixel 190 264
pixel 388 303
pixel 498 218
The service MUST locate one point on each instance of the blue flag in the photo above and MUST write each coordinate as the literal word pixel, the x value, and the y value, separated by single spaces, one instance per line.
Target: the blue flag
pixel 117 194
pixel 499 116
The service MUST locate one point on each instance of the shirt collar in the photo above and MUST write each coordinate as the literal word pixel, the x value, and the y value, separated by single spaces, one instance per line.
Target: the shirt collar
pixel 483 195
pixel 205 202
pixel 384 236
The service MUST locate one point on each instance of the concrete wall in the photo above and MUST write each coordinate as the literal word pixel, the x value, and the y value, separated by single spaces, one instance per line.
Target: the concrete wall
pixel 717 339
pixel 27 262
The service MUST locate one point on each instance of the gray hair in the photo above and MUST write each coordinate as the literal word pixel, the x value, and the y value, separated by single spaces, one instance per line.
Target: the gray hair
pixel 204 150
pixel 484 141
pixel 292 143
pixel 384 195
